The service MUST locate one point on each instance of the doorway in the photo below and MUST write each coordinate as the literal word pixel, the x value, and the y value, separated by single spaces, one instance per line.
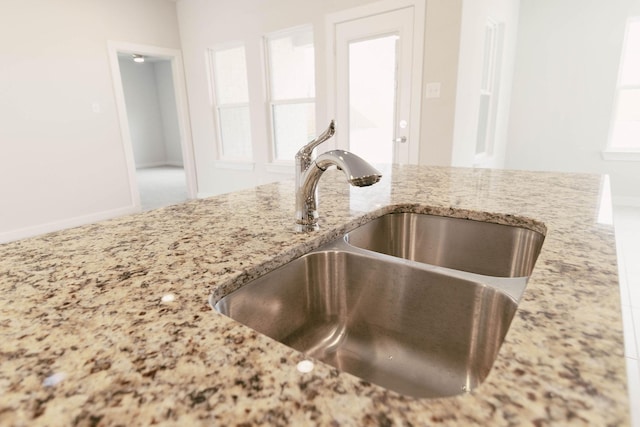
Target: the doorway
pixel 378 73
pixel 150 97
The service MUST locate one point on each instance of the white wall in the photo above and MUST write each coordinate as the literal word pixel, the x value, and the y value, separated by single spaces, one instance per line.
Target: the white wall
pixel 471 58
pixel 442 41
pixel 205 24
pixel 566 71
pixel 151 111
pixel 61 157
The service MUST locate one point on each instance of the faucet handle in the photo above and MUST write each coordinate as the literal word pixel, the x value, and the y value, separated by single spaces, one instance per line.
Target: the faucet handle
pixel 305 152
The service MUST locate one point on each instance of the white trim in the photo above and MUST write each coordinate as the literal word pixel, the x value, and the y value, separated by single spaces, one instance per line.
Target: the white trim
pixel 125 133
pixel 490 87
pixel 158 165
pixel 180 92
pixel 280 34
pixel 371 9
pixel 26 232
pixel 621 156
pixel 293 101
pixel 605 208
pixel 234 165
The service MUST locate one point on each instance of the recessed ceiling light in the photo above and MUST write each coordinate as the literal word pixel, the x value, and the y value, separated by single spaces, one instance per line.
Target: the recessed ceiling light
pixel 138 58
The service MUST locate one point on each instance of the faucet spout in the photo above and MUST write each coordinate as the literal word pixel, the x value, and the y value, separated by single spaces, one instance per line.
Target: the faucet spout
pixel 358 172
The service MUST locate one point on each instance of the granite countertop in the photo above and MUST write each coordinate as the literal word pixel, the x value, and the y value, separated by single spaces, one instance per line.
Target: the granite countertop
pixel 109 324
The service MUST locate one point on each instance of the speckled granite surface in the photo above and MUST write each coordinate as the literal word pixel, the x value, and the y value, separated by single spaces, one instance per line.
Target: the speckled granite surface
pixel 87 338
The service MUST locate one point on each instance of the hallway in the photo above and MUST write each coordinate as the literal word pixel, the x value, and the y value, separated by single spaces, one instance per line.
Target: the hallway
pixel 161 186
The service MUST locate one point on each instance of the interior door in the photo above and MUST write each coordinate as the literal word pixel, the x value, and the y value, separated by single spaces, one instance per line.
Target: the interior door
pixel 373 86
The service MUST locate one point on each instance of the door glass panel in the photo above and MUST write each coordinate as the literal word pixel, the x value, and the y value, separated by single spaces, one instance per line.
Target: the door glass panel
pixel 372 98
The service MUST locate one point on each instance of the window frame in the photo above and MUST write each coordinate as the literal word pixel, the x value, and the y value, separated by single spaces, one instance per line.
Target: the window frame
pixel 489 86
pixel 613 152
pixel 225 160
pixel 282 165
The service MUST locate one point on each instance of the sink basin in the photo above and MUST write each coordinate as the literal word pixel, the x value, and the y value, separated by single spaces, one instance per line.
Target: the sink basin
pixel 419 304
pixel 462 244
pixel 401 325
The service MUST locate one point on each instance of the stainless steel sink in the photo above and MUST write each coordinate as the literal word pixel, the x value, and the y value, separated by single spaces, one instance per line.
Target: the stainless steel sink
pixel 462 244
pixel 419 329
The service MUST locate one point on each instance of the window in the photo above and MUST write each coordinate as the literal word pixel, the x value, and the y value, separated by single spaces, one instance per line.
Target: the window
pixel 231 102
pixel 488 91
pixel 625 123
pixel 291 66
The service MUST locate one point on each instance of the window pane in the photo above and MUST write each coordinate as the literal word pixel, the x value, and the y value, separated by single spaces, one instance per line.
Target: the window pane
pixel 630 72
pixel 294 125
pixel 626 130
pixel 230 73
pixel 489 85
pixel 292 65
pixel 628 105
pixel 235 128
pixel 489 54
pixel 483 123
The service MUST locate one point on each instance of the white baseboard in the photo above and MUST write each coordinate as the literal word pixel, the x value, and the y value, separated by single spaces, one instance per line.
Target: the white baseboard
pixel 158 165
pixel 23 233
pixel 150 165
pixel 176 164
pixel 626 201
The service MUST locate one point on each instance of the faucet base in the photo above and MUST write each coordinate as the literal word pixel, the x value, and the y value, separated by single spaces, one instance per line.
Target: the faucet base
pixel 307 217
pixel 305 228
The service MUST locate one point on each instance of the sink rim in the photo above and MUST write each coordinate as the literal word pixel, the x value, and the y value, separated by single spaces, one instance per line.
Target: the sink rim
pixel 306 246
pixel 513 287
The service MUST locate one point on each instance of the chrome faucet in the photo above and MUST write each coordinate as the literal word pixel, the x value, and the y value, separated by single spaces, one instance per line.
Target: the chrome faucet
pixel 359 173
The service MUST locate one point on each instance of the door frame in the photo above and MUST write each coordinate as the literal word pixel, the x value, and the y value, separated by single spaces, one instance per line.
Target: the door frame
pixel 180 91
pixel 383 6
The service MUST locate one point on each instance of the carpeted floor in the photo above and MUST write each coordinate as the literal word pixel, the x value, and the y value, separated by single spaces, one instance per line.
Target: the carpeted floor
pixel 161 186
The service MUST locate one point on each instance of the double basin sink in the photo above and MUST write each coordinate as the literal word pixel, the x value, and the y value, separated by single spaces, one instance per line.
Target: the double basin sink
pixel 416 303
